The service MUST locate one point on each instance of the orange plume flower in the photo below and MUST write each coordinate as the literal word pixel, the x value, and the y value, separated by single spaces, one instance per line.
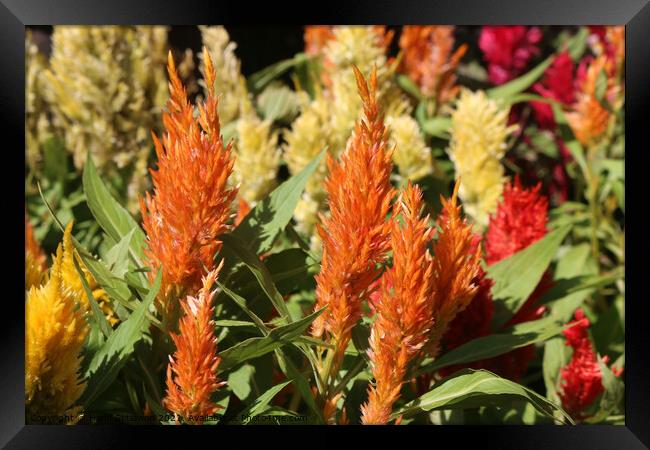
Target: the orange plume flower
pixel 456 268
pixel 404 308
pixel 191 202
pixel 428 59
pixel 316 37
pixel 589 119
pixel 356 235
pixel 192 372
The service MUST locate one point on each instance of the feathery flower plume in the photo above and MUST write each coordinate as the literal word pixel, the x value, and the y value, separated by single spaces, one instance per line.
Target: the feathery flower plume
pixel 508 50
pixel 404 310
pixel 191 202
pixel 35 261
pixel 557 84
pixel 55 331
pixel 479 131
pixel 356 234
pixel 316 37
pixel 428 59
pixel 582 377
pixel 105 86
pixel 412 156
pixel 588 118
pixel 456 266
pixel 192 372
pixel 228 84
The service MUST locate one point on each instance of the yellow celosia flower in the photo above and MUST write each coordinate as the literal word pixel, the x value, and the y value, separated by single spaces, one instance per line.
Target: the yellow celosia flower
pixel 229 84
pixel 478 142
pixel 412 156
pixel 55 331
pixel 258 158
pixel 37 125
pixel 106 86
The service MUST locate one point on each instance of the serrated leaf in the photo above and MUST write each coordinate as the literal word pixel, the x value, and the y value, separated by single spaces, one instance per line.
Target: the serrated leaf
pixel 516 277
pixel 111 358
pixel 475 388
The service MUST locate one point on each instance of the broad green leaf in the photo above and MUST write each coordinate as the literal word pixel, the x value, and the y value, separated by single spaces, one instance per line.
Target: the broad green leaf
pixel 261 226
pixel 114 219
pixel 409 86
pixel 255 347
pixel 260 404
pixel 556 356
pixel 111 358
pixel 475 388
pixel 117 258
pixel 278 103
pixel 259 80
pixel 497 344
pixel 239 380
pixel 520 84
pixel 437 126
pixel 516 277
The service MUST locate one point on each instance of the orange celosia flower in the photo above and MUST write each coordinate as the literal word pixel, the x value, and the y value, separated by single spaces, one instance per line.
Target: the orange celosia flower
pixel 356 235
pixel 428 59
pixel 243 208
pixel 589 119
pixel 191 202
pixel 404 308
pixel 192 372
pixel 456 266
pixel 316 36
pixel 35 261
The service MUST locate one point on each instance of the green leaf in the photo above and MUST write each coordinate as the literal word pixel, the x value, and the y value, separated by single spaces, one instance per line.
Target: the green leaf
pixel 241 302
pixel 437 126
pixel 259 80
pixel 577 44
pixel 111 216
pixel 55 160
pixel 117 258
pixel 516 277
pixel 278 103
pixel 260 404
pixel 256 347
pixel 556 356
pixel 98 315
pixel 520 84
pixel 239 380
pixel 409 86
pixel 475 388
pixel 261 226
pixel 111 358
pixel 497 344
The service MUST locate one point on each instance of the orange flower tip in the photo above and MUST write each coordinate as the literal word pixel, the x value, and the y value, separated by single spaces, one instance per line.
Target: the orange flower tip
pixel 209 73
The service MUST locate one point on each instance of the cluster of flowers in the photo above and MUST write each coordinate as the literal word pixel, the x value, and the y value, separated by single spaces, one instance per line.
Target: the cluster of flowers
pixel 421 277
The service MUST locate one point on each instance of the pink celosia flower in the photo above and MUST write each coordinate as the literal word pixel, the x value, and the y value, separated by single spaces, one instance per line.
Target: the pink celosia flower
pixel 508 50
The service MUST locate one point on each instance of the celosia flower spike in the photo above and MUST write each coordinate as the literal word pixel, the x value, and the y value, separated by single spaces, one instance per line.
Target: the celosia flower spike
pixel 35 268
pixel 55 332
pixel 582 377
pixel 356 235
pixel 192 372
pixel 190 205
pixel 456 267
pixel 404 310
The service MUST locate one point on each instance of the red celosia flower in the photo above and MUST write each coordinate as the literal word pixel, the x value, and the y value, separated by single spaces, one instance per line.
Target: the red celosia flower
pixel 508 50
pixel 428 59
pixel 356 234
pixel 192 372
pixel 581 378
pixel 456 267
pixel 191 202
pixel 557 84
pixel 520 220
pixel 404 309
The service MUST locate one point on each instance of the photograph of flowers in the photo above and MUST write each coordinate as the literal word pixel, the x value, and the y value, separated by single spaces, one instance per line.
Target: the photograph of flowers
pixel 352 225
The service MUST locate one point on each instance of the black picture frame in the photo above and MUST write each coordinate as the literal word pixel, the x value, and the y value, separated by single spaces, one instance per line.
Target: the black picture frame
pixel 634 14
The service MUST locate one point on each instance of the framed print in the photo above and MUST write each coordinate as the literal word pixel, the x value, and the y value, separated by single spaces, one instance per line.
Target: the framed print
pixel 394 218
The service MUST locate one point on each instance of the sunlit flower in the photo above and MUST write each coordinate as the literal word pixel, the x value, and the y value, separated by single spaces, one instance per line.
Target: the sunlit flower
pixel 356 234
pixel 190 205
pixel 192 372
pixel 479 131
pixel 456 267
pixel 55 332
pixel 105 86
pixel 404 309
pixel 428 59
pixel 35 261
pixel 581 378
pixel 411 155
pixel 508 50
